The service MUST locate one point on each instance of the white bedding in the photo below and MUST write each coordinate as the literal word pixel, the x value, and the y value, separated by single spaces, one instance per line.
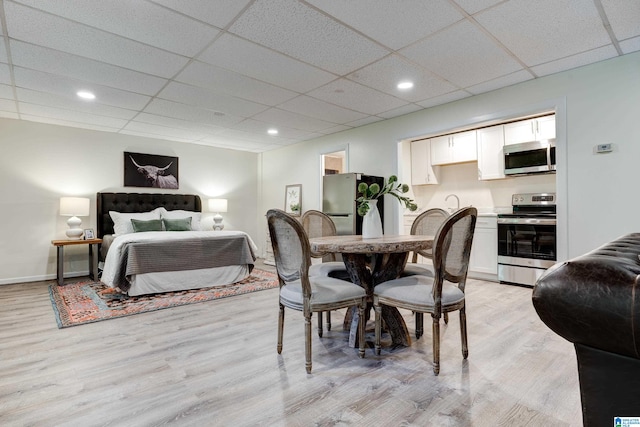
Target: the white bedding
pixel 172 281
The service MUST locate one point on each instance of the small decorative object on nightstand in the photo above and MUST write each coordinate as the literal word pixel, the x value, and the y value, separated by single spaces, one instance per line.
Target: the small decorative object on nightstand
pixel 93 256
pixel 74 207
pixel 217 206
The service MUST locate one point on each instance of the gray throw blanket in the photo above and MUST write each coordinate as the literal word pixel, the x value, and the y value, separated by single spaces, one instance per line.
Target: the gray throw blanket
pixel 179 255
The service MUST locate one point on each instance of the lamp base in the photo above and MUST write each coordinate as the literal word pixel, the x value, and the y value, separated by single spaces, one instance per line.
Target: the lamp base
pixel 74 232
pixel 217 222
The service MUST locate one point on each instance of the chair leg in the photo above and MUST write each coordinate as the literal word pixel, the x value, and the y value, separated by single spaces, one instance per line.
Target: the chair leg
pixel 463 332
pixel 307 341
pixel 320 324
pixel 445 316
pixel 280 327
pixel 378 310
pixel 361 326
pixel 419 324
pixel 436 344
pixel 328 320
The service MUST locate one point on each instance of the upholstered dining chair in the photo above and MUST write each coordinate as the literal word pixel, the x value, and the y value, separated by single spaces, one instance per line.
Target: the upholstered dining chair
pixel 440 294
pixel 425 224
pixel 302 292
pixel 319 224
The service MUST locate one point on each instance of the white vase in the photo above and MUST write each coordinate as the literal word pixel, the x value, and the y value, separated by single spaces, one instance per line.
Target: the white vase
pixel 371 223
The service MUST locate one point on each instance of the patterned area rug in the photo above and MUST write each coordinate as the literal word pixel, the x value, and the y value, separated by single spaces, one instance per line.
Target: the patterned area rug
pixel 87 302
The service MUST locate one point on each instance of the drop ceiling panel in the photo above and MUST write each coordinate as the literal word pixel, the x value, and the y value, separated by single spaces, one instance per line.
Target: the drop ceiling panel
pixel 250 59
pixel 578 60
pixel 177 123
pixel 318 40
pixel 292 120
pixel 474 6
pixel 220 80
pixel 354 96
pixel 405 109
pixel 189 112
pixel 631 45
pixel 258 129
pixel 5 74
pixel 8 105
pixel 465 48
pixel 72 103
pixel 163 130
pixel 315 108
pixel 65 86
pixel 205 98
pixel 58 33
pixel 218 12
pixel 503 81
pixel 546 30
pixel 385 74
pixel 3 51
pixel 6 92
pixel 623 17
pixel 70 115
pixel 70 123
pixel 444 99
pixel 9 115
pixel 140 21
pixel 88 70
pixel 395 23
pixel 155 136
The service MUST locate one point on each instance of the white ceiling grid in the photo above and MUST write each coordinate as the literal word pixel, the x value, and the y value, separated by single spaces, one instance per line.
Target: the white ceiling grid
pixel 223 72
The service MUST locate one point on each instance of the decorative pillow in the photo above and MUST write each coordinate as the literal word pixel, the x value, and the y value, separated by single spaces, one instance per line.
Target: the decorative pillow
pixel 180 224
pixel 122 221
pixel 150 225
pixel 180 214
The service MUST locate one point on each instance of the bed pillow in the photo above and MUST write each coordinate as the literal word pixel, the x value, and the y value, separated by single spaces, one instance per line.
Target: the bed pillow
pixel 180 214
pixel 122 221
pixel 149 225
pixel 180 224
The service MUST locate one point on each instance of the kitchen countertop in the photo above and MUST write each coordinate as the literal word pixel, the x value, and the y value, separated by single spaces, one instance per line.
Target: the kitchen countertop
pixel 484 211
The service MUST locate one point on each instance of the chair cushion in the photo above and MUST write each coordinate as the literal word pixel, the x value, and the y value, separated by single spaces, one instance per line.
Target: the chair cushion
pixel 325 268
pixel 324 290
pixel 417 290
pixel 413 269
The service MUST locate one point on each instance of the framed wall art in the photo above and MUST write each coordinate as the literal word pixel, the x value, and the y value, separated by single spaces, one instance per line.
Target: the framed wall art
pixel 293 199
pixel 150 170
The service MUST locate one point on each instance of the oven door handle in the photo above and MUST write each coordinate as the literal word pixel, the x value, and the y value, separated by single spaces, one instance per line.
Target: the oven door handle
pixel 527 221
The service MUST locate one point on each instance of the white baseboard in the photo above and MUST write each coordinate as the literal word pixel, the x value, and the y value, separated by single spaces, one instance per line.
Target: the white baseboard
pixel 41 278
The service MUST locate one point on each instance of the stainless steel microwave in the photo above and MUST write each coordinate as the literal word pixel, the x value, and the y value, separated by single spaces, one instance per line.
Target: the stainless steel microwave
pixel 530 158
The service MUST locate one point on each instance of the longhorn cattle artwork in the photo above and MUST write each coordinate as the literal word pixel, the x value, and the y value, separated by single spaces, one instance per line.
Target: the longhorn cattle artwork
pixel 150 170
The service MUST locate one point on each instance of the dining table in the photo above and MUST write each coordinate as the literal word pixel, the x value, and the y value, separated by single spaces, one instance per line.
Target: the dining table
pixel 370 262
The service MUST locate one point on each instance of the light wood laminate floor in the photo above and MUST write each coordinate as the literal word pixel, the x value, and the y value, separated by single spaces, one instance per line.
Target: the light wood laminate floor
pixel 215 363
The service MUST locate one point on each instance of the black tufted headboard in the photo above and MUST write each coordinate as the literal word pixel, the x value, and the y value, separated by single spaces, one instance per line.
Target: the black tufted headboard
pixel 140 202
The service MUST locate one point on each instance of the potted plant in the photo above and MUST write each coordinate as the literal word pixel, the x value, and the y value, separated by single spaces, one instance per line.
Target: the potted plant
pixel 372 225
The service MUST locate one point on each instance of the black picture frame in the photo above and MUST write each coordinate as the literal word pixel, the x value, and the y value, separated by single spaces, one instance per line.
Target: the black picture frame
pixel 150 170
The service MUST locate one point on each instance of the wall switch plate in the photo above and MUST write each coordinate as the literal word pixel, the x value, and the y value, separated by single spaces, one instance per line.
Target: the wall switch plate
pixel 604 148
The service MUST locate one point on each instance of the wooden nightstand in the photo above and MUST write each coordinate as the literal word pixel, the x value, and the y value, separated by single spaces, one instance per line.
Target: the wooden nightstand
pixel 93 256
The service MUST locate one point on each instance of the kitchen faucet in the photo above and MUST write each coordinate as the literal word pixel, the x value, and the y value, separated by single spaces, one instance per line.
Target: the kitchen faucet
pixel 457 201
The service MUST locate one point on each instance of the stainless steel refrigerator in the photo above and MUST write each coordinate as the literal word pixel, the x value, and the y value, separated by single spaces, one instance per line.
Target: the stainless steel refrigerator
pixel 339 194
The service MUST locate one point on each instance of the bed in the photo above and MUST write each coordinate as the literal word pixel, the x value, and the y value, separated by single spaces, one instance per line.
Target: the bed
pixel 153 243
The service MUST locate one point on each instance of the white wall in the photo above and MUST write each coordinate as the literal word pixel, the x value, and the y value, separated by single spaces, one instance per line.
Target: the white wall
pixel 40 162
pixel 594 104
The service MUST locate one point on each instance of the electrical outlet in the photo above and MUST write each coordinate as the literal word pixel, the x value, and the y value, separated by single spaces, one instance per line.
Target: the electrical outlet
pixel 604 148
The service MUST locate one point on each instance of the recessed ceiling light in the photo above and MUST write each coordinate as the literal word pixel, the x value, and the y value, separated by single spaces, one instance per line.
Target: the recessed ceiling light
pixel 272 131
pixel 405 85
pixel 86 94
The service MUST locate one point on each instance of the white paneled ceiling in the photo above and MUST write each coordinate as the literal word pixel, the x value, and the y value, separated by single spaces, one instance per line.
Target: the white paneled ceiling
pixel 224 72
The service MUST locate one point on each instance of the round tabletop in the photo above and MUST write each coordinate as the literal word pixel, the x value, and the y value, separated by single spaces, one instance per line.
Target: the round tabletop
pixel 355 244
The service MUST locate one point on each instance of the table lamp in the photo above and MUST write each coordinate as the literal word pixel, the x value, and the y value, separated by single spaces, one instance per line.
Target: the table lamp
pixel 74 207
pixel 217 206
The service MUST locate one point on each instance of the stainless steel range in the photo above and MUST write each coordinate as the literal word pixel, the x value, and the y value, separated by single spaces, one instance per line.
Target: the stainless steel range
pixel 527 238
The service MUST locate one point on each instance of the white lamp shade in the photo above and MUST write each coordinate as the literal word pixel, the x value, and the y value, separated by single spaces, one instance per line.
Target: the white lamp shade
pixel 74 206
pixel 217 205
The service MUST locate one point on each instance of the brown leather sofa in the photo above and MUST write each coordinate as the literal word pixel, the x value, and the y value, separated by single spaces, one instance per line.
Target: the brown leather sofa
pixel 593 301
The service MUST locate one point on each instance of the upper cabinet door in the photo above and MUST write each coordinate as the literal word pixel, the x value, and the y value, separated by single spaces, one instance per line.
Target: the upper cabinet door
pixel 421 170
pixel 463 146
pixel 530 130
pixel 441 150
pixel 490 153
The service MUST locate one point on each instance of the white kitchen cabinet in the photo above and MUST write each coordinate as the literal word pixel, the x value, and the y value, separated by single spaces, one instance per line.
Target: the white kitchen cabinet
pixel 490 154
pixel 530 130
pixel 456 148
pixel 422 172
pixel 483 263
